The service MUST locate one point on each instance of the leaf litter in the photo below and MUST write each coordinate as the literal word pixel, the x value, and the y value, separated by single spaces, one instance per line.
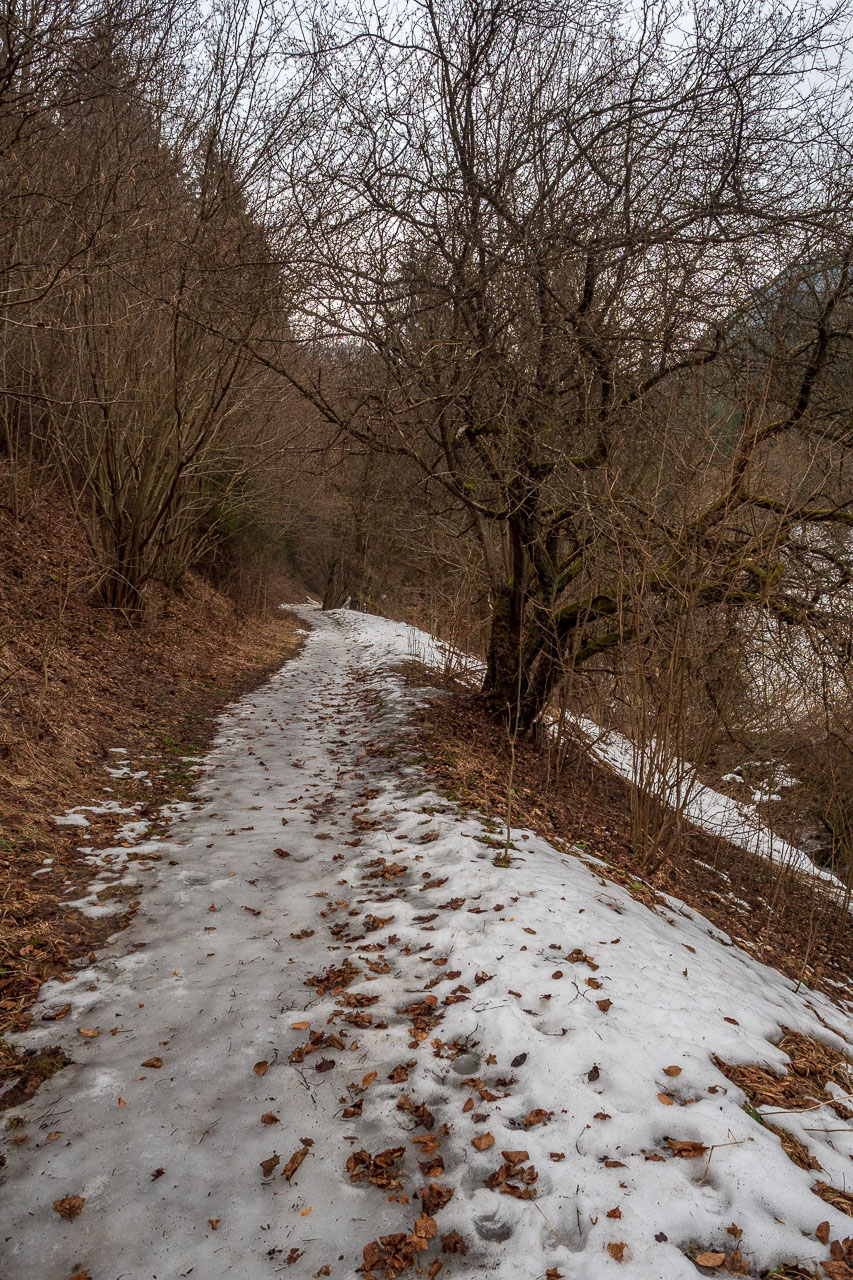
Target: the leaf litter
pixel 388 945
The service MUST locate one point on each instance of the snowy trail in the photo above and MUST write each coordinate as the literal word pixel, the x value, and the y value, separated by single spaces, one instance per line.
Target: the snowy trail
pixel 501 1035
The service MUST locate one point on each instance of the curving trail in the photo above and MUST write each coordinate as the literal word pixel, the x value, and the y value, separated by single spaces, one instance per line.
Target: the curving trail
pixel 337 1036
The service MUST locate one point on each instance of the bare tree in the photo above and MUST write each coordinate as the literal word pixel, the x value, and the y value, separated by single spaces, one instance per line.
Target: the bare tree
pixel 140 272
pixel 597 264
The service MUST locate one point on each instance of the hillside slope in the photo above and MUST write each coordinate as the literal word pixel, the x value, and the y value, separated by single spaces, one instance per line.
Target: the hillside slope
pixel 341 1037
pixel 76 683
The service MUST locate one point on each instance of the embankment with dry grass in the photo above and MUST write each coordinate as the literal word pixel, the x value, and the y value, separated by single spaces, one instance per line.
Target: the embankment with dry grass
pixel 781 918
pixel 78 682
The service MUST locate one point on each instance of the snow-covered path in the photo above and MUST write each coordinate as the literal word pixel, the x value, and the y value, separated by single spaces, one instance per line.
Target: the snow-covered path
pixel 329 966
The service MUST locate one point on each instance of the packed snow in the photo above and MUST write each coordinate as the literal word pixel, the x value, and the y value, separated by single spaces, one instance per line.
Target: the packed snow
pixel 71 819
pixel 332 998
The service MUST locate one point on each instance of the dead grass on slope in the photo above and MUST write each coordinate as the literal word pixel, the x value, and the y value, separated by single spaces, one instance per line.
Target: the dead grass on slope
pixel 774 914
pixel 76 681
pixel 802 1086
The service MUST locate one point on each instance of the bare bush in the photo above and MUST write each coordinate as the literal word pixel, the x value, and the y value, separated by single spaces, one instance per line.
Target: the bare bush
pixel 142 284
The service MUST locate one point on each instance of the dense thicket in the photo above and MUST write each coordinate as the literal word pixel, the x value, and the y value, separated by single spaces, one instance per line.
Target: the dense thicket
pixel 138 272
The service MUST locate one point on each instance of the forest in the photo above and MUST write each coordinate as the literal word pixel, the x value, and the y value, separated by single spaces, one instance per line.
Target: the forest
pixel 426 486
pixel 527 324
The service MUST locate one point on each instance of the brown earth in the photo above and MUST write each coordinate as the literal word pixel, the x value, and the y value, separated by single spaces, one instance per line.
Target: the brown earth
pixel 75 681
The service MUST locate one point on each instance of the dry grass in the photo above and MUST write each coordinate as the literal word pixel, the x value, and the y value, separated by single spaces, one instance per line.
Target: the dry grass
pixel 75 681
pixel 791 1271
pixel 803 1084
pixel 796 1151
pixel 775 915
pixel 841 1200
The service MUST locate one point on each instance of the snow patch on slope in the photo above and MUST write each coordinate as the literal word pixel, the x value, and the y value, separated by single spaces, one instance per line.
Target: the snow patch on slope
pixel 309 844
pixel 706 808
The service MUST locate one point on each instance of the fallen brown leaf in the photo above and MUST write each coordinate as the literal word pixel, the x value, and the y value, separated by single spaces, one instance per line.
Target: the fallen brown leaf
pixel 686 1150
pixel 709 1259
pixel 483 1142
pixel 672 1071
pixel 69 1207
pixel 54 1015
pixel 261 1068
pixel 434 1197
pixel 616 1249
pixel 380 1169
pixel 269 1164
pixel 293 1163
pixel 453 1242
pixel 269 1118
pixel 837 1270
pixel 154 1063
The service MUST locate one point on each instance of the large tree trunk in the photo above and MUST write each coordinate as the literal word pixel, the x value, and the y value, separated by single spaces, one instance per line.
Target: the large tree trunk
pixel 337 586
pixel 500 684
pixel 522 665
